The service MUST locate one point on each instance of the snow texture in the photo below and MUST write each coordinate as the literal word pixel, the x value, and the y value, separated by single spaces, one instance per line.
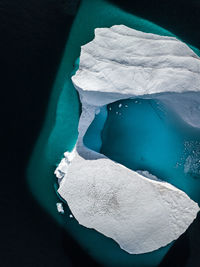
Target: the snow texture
pixel 137 210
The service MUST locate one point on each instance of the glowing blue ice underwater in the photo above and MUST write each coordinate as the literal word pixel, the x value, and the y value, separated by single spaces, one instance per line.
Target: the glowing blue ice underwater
pixel 145 135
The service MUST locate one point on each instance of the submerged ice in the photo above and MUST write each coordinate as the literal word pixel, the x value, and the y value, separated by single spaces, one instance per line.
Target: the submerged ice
pixel 146 135
pixel 134 172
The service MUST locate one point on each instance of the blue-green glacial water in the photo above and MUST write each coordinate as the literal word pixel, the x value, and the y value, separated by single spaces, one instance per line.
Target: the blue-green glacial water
pixel 145 135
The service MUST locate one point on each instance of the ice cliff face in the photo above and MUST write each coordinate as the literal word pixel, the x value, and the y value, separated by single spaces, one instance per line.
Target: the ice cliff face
pixel 139 213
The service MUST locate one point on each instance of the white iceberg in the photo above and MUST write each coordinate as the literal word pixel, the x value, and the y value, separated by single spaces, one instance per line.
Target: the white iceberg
pixel 139 212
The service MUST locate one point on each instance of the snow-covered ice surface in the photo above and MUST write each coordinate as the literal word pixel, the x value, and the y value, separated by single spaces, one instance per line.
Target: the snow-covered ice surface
pixel 141 213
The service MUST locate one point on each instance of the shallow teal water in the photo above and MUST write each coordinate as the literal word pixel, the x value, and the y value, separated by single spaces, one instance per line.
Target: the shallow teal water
pixel 143 134
pixel 59 133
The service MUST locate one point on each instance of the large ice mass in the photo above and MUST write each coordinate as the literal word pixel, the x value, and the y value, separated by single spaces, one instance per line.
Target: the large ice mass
pixel 137 209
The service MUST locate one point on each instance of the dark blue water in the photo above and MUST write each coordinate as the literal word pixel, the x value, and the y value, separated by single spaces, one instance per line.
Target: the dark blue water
pixel 144 134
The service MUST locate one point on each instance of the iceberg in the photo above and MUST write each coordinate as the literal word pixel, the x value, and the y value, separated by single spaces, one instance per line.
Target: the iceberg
pixel 137 209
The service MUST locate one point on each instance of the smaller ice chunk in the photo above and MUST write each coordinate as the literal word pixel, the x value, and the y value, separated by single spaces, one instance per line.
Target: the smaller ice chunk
pixel 60 207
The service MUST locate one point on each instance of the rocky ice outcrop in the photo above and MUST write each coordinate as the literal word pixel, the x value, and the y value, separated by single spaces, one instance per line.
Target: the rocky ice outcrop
pixel 141 214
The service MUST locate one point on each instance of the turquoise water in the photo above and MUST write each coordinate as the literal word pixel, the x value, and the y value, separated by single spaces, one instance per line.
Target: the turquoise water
pixel 59 133
pixel 143 134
